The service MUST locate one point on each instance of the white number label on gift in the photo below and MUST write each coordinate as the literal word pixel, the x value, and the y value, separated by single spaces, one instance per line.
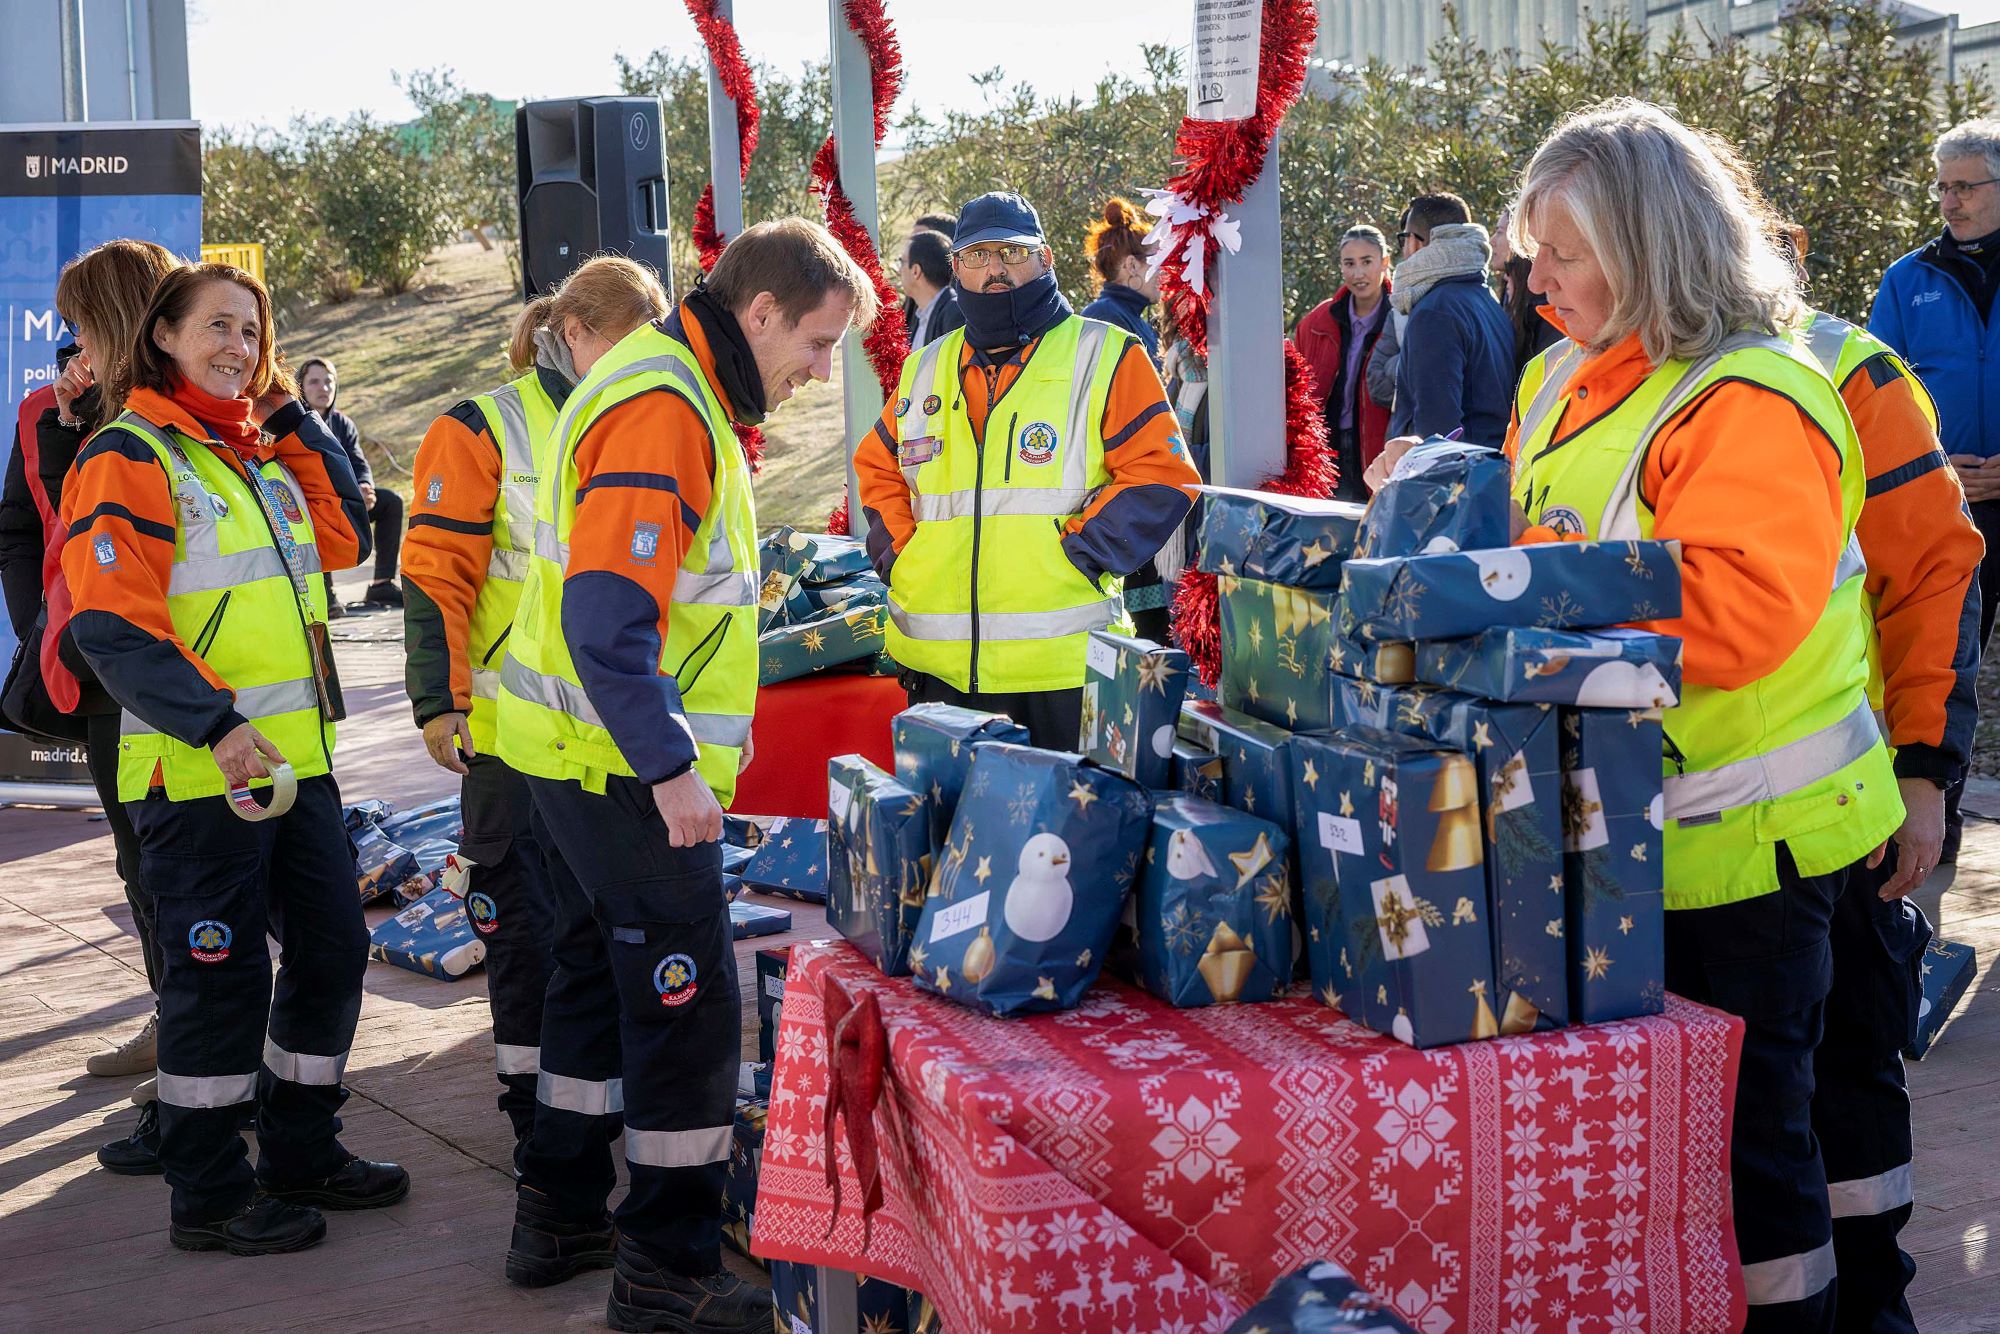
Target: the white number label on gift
pixel 837 799
pixel 774 987
pixel 1339 834
pixel 1101 658
pixel 960 917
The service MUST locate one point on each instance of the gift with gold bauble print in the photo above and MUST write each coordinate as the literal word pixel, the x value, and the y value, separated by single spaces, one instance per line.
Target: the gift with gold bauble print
pixel 879 859
pixel 934 743
pixel 1392 662
pixel 1445 495
pixel 1132 692
pixel 1398 923
pixel 1291 540
pixel 1214 905
pixel 1514 750
pixel 739 1180
pixel 780 567
pixel 1614 816
pixel 1599 669
pixel 1276 642
pixel 791 861
pixel 1026 894
pixel 1558 585
pixel 850 634
pixel 1196 772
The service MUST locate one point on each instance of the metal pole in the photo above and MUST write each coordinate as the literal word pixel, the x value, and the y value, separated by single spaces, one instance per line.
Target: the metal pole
pixel 1246 365
pixel 725 150
pixel 854 140
pixel 76 103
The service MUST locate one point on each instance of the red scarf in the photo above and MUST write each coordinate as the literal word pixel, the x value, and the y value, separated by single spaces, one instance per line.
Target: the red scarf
pixel 229 418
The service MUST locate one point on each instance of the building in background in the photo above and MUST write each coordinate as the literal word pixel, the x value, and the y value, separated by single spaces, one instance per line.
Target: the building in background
pixel 94 60
pixel 1401 32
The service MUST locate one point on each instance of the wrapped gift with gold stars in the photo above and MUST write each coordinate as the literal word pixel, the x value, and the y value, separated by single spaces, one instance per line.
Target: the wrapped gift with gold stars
pixel 880 1307
pixel 1197 772
pixel 1596 669
pixel 1027 892
pixel 878 858
pixel 934 744
pixel 848 634
pixel 1560 585
pixel 1513 747
pixel 791 861
pixel 780 567
pixel 1214 905
pixel 1445 495
pixel 1132 691
pixel 1613 818
pixel 1279 539
pixel 1391 662
pixel 1276 643
pixel 1398 922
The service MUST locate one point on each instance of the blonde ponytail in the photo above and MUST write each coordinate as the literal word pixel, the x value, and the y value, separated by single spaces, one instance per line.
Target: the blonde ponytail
pixel 521 345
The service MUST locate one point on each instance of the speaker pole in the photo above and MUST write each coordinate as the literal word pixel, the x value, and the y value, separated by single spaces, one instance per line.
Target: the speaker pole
pixel 854 143
pixel 724 149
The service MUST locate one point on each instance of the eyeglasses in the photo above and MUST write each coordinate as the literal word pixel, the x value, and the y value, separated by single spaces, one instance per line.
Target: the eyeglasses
pixel 1958 189
pixel 979 256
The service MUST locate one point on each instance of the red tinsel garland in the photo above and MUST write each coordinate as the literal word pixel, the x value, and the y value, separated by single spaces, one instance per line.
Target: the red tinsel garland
pixel 725 53
pixel 888 342
pixel 1223 159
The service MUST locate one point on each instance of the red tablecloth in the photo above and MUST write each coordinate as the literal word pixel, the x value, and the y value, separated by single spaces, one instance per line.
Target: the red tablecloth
pixel 801 725
pixel 1131 1166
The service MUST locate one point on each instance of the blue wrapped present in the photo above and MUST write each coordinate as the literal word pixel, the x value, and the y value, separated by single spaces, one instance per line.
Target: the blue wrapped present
pixel 734 859
pixel 1132 691
pixel 1030 885
pixel 1613 815
pixel 739 1181
pixel 757 919
pixel 1276 642
pixel 438 819
pixel 832 559
pixel 380 862
pixel 1598 669
pixel 809 602
pixel 1561 585
pixel 1197 772
pixel 359 815
pixel 432 936
pixel 1948 969
pixel 1256 762
pixel 879 860
pixel 1515 751
pixel 1391 662
pixel 933 744
pixel 1445 495
pixel 1321 1298
pixel 431 856
pixel 1279 539
pixel 1398 929
pixel 780 566
pixel 771 966
pixel 852 634
pixel 791 861
pixel 880 1307
pixel 1214 905
pixel 743 831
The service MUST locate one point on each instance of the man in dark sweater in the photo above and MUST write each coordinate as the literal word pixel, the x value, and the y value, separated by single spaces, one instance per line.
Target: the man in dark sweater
pixel 319 383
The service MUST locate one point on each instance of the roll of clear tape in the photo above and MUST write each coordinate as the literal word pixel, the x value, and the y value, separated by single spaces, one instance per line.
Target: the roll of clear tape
pixel 284 791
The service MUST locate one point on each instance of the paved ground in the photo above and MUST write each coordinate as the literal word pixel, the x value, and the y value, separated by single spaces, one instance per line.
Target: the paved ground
pixel 80 1249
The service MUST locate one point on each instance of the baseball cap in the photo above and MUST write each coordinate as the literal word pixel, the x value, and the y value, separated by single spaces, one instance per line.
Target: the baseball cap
pixel 1001 216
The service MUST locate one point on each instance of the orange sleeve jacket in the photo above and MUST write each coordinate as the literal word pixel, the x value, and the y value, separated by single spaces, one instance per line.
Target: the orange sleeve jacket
pixel 119 492
pixel 1150 491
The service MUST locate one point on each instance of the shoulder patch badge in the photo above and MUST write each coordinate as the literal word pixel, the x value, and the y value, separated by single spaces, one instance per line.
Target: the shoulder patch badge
pixel 645 543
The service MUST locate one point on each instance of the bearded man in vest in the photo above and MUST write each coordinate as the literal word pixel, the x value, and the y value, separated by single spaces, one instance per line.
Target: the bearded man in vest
pixel 1028 463
pixel 626 695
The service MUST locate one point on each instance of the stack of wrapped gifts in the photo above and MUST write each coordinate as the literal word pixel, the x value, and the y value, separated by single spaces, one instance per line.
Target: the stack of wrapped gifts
pixel 820 606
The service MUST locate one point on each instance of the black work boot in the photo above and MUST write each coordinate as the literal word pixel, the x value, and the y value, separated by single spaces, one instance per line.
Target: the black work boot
pixel 138 1154
pixel 359 1184
pixel 646 1297
pixel 262 1227
pixel 548 1247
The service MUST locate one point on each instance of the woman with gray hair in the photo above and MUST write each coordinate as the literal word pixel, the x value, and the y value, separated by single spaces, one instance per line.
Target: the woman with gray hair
pixel 1679 409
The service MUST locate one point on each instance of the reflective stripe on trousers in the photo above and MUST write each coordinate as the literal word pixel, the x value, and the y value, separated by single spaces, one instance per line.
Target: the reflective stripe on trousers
pixel 299 1068
pixel 1868 1196
pixel 1789 1278
pixel 512 1060
pixel 586 1097
pixel 678 1148
pixel 206 1091
pixel 1775 774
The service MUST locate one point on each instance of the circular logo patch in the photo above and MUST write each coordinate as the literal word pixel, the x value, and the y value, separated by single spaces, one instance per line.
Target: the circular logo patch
pixel 1564 520
pixel 931 404
pixel 674 979
pixel 483 911
pixel 218 506
pixel 208 941
pixel 902 407
pixel 1037 443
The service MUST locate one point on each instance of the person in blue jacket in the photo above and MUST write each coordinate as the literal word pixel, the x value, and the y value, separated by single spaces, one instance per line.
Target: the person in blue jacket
pixel 1116 248
pixel 1935 309
pixel 1456 368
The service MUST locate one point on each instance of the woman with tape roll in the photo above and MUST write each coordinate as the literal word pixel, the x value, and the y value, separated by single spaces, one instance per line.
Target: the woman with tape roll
pixel 198 519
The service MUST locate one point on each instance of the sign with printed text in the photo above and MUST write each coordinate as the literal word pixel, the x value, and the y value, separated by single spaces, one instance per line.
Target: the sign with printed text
pixel 1223 78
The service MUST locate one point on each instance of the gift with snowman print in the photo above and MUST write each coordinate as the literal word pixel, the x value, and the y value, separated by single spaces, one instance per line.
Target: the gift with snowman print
pixel 1557 585
pixel 1214 905
pixel 1132 692
pixel 1599 669
pixel 1026 894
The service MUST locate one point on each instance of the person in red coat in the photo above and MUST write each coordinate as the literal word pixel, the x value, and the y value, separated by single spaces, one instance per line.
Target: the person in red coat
pixel 1336 337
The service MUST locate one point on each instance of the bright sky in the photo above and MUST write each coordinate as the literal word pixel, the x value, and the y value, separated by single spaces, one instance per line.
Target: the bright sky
pixel 263 61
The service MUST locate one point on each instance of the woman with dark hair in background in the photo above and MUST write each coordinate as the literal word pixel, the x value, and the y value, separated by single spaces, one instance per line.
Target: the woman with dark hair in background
pixel 1336 338
pixel 319 385
pixel 1522 303
pixel 101 295
pixel 1116 247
